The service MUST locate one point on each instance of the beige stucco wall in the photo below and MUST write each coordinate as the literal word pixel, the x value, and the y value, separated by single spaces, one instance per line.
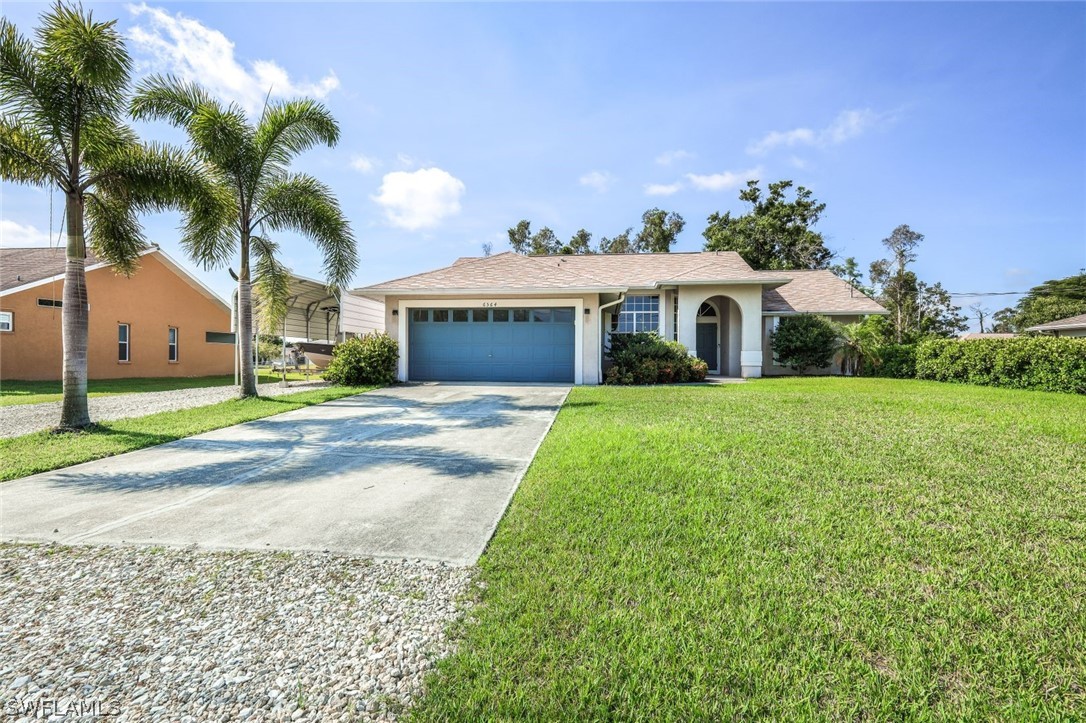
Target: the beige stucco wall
pixel 746 330
pixel 150 301
pixel 588 325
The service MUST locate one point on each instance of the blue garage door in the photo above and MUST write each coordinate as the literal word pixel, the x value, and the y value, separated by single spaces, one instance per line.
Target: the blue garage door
pixel 497 345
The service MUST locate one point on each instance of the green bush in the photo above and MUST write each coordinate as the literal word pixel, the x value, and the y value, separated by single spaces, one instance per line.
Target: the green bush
pixel 1038 362
pixel 805 341
pixel 370 359
pixel 895 361
pixel 645 358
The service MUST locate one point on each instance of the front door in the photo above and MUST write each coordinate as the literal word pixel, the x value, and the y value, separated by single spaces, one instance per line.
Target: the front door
pixel 707 347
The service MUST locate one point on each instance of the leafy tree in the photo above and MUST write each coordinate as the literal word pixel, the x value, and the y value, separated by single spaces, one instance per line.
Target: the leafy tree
pixel 860 343
pixel 581 243
pixel 849 270
pixel 250 163
pixel 63 100
pixel 520 237
pixel 936 313
pixel 776 233
pixel 659 231
pixel 544 242
pixel 1052 300
pixel 805 341
pixel 620 244
pixel 1003 321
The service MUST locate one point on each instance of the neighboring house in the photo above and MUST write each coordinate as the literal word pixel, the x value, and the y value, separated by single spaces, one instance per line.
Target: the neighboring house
pixel 510 317
pixel 986 335
pixel 160 322
pixel 1071 326
pixel 315 313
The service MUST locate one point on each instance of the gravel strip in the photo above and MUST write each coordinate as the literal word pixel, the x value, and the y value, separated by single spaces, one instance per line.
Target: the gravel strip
pixel 167 634
pixel 20 419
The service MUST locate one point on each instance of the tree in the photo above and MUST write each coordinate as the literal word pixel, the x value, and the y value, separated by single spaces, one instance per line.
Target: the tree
pixel 1003 321
pixel 1052 300
pixel 63 101
pixel 659 231
pixel 544 242
pixel 250 164
pixel 936 314
pixel 805 341
pixel 775 233
pixel 981 312
pixel 581 243
pixel 849 270
pixel 620 244
pixel 520 237
pixel 860 343
pixel 892 274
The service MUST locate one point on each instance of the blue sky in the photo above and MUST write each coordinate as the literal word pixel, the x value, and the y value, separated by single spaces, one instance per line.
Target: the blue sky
pixel 966 121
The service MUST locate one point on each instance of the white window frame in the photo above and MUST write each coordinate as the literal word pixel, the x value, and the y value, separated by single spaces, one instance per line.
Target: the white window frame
pixel 639 316
pixel 7 321
pixel 173 347
pixel 127 343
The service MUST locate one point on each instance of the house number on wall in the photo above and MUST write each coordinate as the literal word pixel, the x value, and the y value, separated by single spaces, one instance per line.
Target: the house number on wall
pixel 489 304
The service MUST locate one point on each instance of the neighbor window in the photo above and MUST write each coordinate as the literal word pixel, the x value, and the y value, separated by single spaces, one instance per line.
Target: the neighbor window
pixel 123 343
pixel 7 321
pixel 56 303
pixel 639 313
pixel 173 343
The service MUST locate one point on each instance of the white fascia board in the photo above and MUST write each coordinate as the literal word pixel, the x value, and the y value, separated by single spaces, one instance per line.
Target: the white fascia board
pixel 365 291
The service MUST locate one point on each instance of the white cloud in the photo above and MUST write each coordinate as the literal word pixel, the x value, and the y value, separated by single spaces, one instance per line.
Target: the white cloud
pixel 663 189
pixel 192 51
pixel 599 180
pixel 722 181
pixel 419 199
pixel 364 164
pixel 16 235
pixel 668 157
pixel 847 125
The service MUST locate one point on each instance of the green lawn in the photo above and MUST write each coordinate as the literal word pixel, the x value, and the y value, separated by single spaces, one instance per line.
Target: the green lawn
pixel 44 451
pixel 17 392
pixel 809 549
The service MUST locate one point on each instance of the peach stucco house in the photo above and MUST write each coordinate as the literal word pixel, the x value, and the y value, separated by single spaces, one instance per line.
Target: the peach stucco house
pixel 159 322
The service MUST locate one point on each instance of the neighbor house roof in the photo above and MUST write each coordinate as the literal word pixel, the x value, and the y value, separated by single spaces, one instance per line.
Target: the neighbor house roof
pixel 590 272
pixel 22 266
pixel 820 292
pixel 1071 322
pixel 986 335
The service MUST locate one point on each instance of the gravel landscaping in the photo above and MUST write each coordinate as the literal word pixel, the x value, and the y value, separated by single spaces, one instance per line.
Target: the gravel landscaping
pixel 17 420
pixel 190 635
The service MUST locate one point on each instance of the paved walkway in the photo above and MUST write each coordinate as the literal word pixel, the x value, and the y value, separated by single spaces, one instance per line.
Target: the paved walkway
pixel 20 419
pixel 417 471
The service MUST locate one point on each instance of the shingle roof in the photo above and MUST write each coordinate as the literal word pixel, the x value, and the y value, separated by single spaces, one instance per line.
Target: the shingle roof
pixel 802 291
pixel 986 335
pixel 817 292
pixel 591 271
pixel 1071 322
pixel 20 266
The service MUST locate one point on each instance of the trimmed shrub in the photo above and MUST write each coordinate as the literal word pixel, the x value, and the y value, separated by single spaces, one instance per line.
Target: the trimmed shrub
pixel 805 341
pixel 1039 362
pixel 370 359
pixel 645 358
pixel 896 361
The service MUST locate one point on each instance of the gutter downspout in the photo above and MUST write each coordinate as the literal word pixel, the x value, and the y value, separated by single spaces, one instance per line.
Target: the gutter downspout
pixel 599 312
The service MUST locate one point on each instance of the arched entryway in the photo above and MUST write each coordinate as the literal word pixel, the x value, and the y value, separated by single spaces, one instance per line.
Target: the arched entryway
pixel 718 337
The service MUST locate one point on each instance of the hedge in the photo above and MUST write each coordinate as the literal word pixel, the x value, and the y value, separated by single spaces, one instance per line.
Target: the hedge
pixel 370 359
pixel 1047 363
pixel 645 358
pixel 895 361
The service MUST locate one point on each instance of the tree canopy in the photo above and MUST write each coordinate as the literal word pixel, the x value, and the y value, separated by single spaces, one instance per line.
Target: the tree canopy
pixel 775 233
pixel 1054 299
pixel 658 234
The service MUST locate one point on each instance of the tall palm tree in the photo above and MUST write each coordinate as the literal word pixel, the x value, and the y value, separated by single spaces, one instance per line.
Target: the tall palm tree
pixel 63 101
pixel 250 162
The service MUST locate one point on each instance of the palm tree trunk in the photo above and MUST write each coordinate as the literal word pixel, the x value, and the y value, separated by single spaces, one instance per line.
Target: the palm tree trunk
pixel 74 322
pixel 245 324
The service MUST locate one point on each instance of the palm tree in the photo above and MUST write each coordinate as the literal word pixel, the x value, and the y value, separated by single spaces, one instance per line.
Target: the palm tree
pixel 63 100
pixel 859 347
pixel 250 163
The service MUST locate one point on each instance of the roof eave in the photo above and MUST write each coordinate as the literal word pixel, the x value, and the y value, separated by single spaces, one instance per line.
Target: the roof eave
pixel 496 291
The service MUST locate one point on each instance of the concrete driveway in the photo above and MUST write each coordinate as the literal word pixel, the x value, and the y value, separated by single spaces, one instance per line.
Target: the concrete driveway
pixel 420 471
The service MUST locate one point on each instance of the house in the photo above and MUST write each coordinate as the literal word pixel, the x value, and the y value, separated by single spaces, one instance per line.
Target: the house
pixel 159 322
pixel 510 317
pixel 1071 326
pixel 973 335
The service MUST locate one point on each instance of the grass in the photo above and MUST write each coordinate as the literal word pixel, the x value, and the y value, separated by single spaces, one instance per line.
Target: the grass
pixel 21 392
pixel 805 549
pixel 44 451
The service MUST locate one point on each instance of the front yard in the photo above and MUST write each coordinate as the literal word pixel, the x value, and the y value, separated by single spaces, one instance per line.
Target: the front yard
pixel 787 549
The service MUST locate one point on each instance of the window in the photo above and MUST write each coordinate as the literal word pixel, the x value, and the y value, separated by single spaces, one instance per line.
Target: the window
pixel 441 314
pixel 173 344
pixel 501 314
pixel 55 303
pixel 460 314
pixel 420 315
pixel 123 343
pixel 675 317
pixel 541 315
pixel 520 315
pixel 563 316
pixel 219 337
pixel 7 321
pixel 639 313
pixel 479 315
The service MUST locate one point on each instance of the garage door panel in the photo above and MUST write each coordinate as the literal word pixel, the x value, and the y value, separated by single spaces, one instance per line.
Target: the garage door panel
pixel 522 345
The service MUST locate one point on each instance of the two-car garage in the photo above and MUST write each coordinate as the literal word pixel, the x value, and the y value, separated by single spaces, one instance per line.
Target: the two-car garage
pixel 491 344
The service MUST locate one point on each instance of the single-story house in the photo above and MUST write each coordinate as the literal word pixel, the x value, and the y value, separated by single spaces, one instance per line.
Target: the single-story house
pixel 160 322
pixel 509 317
pixel 1071 326
pixel 986 335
